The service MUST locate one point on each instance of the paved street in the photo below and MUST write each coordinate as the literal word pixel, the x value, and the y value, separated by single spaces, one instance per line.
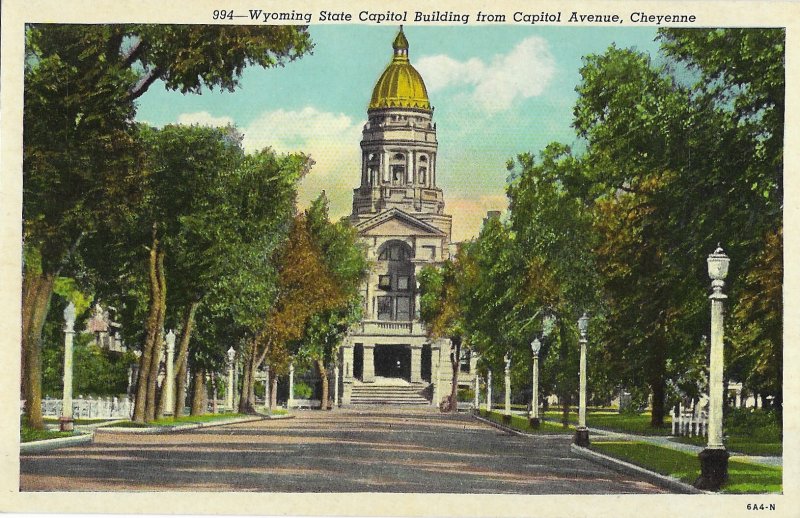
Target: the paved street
pixel 376 450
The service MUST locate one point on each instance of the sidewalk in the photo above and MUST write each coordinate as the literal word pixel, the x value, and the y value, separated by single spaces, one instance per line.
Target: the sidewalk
pixel 663 441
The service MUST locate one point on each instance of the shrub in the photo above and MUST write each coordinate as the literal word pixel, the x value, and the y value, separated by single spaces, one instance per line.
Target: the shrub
pixel 466 395
pixel 764 425
pixel 302 390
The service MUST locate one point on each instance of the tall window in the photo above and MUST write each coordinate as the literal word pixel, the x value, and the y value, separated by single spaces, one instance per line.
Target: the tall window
pixel 395 282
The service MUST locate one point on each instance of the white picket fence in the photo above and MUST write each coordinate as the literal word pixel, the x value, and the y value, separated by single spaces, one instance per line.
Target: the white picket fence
pixel 689 421
pixel 91 408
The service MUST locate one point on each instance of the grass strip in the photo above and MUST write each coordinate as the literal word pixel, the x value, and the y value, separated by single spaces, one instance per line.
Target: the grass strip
pixel 738 444
pixel 521 423
pixel 175 421
pixel 637 424
pixel 743 477
pixel 27 434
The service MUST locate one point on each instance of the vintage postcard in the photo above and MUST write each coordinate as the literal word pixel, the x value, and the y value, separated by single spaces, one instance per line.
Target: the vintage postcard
pixel 399 258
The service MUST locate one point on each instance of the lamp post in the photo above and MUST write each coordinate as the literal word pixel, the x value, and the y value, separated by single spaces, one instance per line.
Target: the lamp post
pixel 507 409
pixel 229 391
pixel 536 345
pixel 65 421
pixel 714 458
pixel 489 391
pixel 169 379
pixel 582 433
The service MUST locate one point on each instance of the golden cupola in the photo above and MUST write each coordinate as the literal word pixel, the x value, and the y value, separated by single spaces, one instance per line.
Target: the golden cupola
pixel 400 85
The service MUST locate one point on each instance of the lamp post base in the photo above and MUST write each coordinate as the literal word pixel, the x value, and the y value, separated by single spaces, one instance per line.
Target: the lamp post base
pixel 581 437
pixel 534 423
pixel 66 424
pixel 713 469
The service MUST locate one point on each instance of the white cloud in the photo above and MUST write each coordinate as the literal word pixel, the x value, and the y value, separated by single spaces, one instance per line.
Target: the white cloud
pixel 330 138
pixel 525 71
pixel 204 119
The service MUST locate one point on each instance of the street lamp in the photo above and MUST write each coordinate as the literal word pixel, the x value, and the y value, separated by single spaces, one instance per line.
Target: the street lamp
pixel 65 421
pixel 229 392
pixel 507 410
pixel 536 345
pixel 714 458
pixel 582 433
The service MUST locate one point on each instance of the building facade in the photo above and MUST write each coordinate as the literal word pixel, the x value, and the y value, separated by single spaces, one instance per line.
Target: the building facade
pixel 399 212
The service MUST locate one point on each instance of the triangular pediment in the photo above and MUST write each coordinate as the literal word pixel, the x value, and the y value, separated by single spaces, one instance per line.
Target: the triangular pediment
pixel 395 222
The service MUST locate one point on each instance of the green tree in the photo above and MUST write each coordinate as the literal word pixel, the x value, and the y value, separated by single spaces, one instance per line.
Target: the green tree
pixel 304 288
pixel 80 154
pixel 680 154
pixel 346 260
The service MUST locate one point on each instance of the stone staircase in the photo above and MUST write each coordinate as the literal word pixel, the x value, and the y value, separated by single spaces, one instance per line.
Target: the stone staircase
pixel 388 394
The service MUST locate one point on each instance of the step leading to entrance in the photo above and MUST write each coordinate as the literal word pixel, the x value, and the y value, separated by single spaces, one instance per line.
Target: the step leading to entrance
pixel 389 393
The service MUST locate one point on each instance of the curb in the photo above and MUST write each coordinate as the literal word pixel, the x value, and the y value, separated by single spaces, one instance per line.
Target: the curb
pixel 658 479
pixel 518 433
pixel 513 431
pixel 176 428
pixel 52 444
pixel 500 426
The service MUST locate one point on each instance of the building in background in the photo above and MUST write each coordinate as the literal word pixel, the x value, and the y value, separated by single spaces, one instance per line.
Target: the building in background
pixel 399 212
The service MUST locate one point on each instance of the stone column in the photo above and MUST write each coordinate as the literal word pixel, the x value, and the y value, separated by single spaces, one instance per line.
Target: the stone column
pixel 229 386
pixel 435 362
pixel 290 401
pixel 347 372
pixel 416 363
pixel 489 391
pixel 65 421
pixel 477 400
pixel 369 363
pixel 169 380
pixel 507 409
pixel 336 366
pixel 267 395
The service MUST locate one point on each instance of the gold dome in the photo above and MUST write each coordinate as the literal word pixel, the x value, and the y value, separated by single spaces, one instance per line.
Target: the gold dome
pixel 400 85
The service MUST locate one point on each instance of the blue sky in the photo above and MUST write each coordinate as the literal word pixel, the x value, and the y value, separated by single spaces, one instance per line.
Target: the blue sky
pixel 496 91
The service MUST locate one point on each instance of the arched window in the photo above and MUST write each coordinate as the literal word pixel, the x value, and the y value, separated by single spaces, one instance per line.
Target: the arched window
pixel 398 168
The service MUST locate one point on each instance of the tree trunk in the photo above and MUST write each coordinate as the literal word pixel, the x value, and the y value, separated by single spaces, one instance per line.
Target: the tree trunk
pixel 37 291
pixel 247 394
pixel 143 378
pixel 657 416
pixel 181 363
pixel 565 402
pixel 455 360
pixel 199 392
pixel 323 375
pixel 158 345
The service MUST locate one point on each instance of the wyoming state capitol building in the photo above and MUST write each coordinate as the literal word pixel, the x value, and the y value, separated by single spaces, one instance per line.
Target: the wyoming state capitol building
pixel 398 211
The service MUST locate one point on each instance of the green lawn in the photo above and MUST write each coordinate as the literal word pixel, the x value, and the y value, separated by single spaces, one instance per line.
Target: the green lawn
pixel 170 421
pixel 638 424
pixel 521 423
pixel 739 444
pixel 743 477
pixel 29 434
